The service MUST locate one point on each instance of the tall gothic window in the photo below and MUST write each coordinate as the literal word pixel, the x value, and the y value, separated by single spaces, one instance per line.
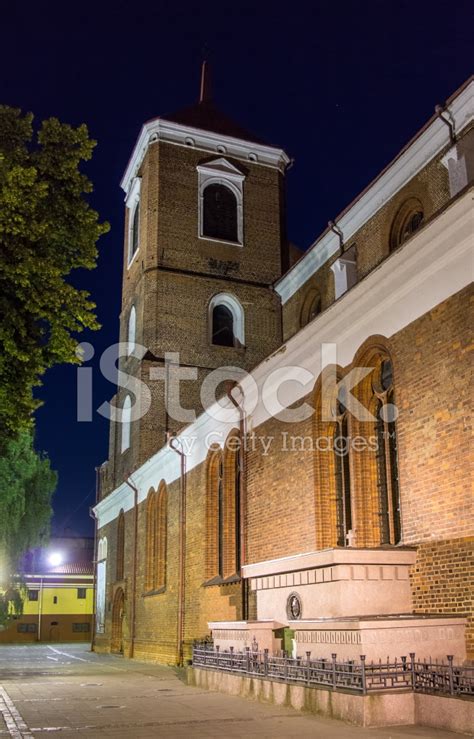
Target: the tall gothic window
pixel 119 572
pixel 222 326
pixel 220 213
pixel 223 514
pixel 386 455
pixel 161 533
pixel 156 538
pixel 342 475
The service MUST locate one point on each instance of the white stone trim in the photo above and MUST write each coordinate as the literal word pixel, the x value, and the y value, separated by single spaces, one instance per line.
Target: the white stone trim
pixel 132 202
pixel 126 424
pixel 235 307
pixel 416 156
pixel 423 272
pixel 221 172
pixel 131 330
pixel 175 133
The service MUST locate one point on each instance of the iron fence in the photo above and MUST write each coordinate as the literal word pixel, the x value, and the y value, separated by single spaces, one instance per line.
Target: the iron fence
pixel 359 676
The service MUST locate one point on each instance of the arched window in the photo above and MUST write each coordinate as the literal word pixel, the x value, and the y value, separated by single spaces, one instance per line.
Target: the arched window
pixel 131 330
pixel 134 231
pixel 126 420
pixel 342 475
pixel 311 307
pixel 215 515
pixel 119 572
pixel 220 213
pixel 386 455
pixel 232 473
pixel 150 544
pixel 101 585
pixel 222 326
pixel 408 220
pixel 226 318
pixel 161 535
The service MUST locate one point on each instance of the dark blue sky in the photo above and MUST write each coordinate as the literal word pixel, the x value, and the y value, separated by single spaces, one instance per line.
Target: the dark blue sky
pixel 340 85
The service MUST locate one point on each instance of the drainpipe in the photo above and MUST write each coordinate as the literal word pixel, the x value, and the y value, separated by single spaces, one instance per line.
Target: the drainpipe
pixel 445 115
pixel 242 491
pixel 94 563
pixel 40 607
pixel 134 583
pixel 173 442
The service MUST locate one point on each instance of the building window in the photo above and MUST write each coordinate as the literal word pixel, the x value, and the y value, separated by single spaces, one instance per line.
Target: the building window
pixel 221 201
pixel 220 213
pixel 101 585
pixel 131 330
pixel 119 572
pixel 342 475
pixel 226 320
pixel 126 423
pixel 82 628
pixel 32 595
pixel 133 205
pixel 222 326
pixel 81 593
pixel 311 307
pixel 156 538
pixel 386 455
pixel 223 514
pixel 23 628
pixel 55 599
pixel 408 220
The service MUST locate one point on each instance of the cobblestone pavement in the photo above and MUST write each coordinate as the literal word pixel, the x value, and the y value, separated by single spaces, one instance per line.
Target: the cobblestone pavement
pixel 67 691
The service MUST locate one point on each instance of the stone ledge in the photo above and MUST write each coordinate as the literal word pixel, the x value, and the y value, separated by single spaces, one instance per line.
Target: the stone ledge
pixel 401 708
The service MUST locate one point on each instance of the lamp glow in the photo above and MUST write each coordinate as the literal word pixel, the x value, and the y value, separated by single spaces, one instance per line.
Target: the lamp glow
pixel 55 559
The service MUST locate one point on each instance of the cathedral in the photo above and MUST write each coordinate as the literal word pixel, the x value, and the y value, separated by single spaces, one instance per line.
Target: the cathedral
pixel 289 460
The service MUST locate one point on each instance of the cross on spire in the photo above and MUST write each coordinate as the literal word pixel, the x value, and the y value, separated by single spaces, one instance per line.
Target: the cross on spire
pixel 205 92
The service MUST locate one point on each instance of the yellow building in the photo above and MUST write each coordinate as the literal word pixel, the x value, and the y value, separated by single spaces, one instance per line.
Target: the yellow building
pixel 59 594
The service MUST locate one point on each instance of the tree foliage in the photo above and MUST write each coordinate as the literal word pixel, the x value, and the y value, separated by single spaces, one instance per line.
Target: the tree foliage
pixel 47 229
pixel 27 484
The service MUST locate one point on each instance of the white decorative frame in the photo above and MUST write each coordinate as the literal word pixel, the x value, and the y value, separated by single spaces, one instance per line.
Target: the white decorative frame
pixel 126 424
pixel 131 330
pixel 238 315
pixel 221 172
pixel 132 202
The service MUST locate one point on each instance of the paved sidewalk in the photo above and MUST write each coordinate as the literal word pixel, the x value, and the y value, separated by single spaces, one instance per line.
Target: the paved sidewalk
pixel 67 691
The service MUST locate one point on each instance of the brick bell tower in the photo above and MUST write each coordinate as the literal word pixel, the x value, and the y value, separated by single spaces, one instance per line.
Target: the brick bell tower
pixel 205 239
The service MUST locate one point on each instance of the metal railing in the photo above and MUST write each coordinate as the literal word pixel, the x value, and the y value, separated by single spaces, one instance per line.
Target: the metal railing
pixel 360 676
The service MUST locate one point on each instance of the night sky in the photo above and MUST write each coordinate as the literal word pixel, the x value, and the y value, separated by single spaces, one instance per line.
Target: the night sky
pixel 341 86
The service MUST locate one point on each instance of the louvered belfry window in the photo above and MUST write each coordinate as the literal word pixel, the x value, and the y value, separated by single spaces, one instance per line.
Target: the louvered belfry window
pixel 220 213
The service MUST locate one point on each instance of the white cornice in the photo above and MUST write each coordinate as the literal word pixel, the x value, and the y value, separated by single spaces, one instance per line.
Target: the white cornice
pixel 427 145
pixel 425 271
pixel 175 133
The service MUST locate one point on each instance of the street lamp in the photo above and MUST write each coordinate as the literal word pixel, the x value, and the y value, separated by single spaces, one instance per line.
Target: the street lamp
pixel 55 559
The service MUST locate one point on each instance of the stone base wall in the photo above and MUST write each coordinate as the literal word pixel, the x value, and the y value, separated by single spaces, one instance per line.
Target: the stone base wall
pixel 378 709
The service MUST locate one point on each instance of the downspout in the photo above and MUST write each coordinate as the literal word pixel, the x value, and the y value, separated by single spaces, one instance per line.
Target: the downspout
pixel 134 583
pixel 446 117
pixel 40 607
pixel 173 441
pixel 94 563
pixel 242 491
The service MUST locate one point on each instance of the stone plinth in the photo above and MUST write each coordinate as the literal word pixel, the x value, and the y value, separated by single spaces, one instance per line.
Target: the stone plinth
pixel 241 634
pixel 380 638
pixel 334 583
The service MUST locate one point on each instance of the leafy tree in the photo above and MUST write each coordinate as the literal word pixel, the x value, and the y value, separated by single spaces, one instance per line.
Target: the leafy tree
pixel 47 229
pixel 27 484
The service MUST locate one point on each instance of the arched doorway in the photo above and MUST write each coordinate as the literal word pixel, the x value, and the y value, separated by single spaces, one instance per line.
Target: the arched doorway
pixel 118 609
